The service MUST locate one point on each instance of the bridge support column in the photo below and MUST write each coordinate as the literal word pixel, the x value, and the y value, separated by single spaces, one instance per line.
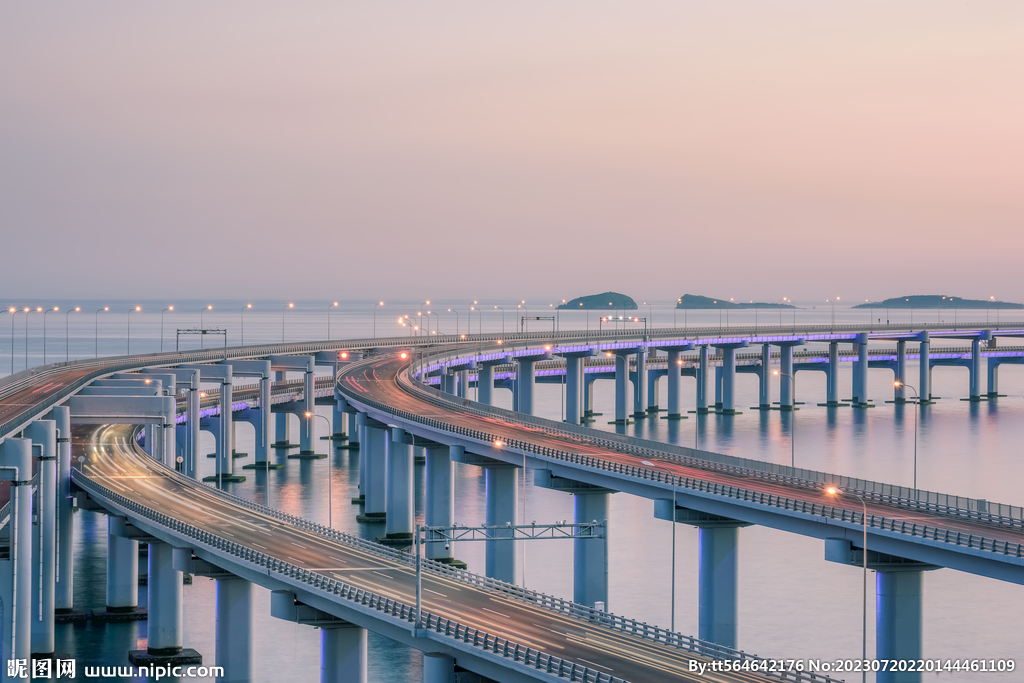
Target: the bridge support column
pixel 44 541
pixel 191 456
pixel 440 499
pixel 122 569
pixel 342 654
pixel 262 447
pixel 924 359
pixel 525 382
pixel 485 383
pixel 860 370
pixel 15 591
pixel 63 600
pixel 717 601
pixel 373 458
pixel 653 395
pixel 764 401
pixel 307 434
pixel 640 385
pixel 281 420
pixel 164 624
pixel 338 417
pixel 718 388
pixel 900 395
pixel 702 381
pixel 234 630
pixel 462 391
pixel 992 372
pixel 787 400
pixel 674 380
pixel 438 667
pixel 588 398
pixel 502 561
pixel 898 631
pixel 590 557
pixel 832 378
pixel 399 524
pixel 573 388
pixel 975 381
pixel 621 388
pixel 225 459
pixel 728 352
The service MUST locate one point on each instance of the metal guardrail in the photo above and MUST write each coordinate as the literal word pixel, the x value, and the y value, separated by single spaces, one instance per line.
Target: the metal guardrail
pixel 689 483
pixel 445 627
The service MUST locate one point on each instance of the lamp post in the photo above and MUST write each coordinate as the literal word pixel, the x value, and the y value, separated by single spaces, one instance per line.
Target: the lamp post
pixel 39 309
pixel 456 321
pixel 917 399
pixel 833 491
pixel 130 311
pixel 55 309
pixel 833 302
pixel 332 306
pixel 169 308
pixel 522 324
pixel 379 303
pixel 96 321
pixel 14 312
pixel 283 311
pixel 669 472
pixel 330 496
pixel 650 313
pixel 241 319
pixel 792 432
pixel 502 319
pixel 202 337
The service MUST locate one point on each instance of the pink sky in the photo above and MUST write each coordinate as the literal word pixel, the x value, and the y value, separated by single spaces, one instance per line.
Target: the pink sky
pixel 743 149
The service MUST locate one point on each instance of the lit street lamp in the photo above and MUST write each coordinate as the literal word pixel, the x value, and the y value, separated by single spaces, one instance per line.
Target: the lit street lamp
pixel 456 321
pixel 330 495
pixel 14 312
pixel 917 399
pixel 241 317
pixel 833 491
pixel 39 309
pixel 52 310
pixel 130 311
pixel 96 321
pixel 332 306
pixel 283 311
pixel 672 476
pixel 502 318
pixel 379 303
pixel 169 308
pixel 202 337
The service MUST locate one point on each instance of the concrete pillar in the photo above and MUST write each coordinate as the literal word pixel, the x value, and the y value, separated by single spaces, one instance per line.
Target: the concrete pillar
pixel 343 654
pixel 307 434
pixel 901 371
pixel 640 385
pixel 353 430
pixel 44 536
pixel 861 369
pixel 924 383
pixel 992 368
pixel 262 448
pixel 281 420
pixel 361 435
pixel 764 401
pixel 63 600
pixel 702 381
pixel 525 382
pixel 462 390
pixel 975 381
pixel 399 495
pixel 338 416
pixel 122 568
pixel 718 387
pixel 590 557
pixel 15 573
pixel 485 383
pixel 373 455
pixel 653 395
pixel 502 509
pixel 234 639
pixel 621 387
pixel 786 397
pixel 674 379
pixel 832 378
pixel 164 620
pixel 438 668
pixel 225 461
pixel 440 501
pixel 898 632
pixel 192 435
pixel 573 389
pixel 728 380
pixel 717 601
pixel 588 396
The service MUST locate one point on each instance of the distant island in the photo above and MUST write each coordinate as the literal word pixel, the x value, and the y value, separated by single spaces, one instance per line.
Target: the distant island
pixel 937 301
pixel 694 301
pixel 601 302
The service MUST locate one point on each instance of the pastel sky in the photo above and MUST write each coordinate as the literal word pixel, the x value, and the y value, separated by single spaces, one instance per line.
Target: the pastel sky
pixel 517 149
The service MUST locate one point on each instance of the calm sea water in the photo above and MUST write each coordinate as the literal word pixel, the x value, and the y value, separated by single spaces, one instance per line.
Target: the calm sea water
pixel 793 604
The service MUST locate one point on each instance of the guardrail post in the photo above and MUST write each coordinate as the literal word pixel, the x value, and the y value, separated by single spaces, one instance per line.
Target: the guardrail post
pixel 16 571
pixel 234 629
pixel 44 433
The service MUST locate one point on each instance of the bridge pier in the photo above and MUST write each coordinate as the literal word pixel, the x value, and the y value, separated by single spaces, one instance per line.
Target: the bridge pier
pixel 992 372
pixel 573 388
pixel 16 593
pixel 122 571
pixel 590 557
pixel 900 395
pixel 640 385
pixel 674 381
pixel 64 597
pixel 440 499
pixel 373 459
pixel 462 390
pixel 860 372
pixel 764 401
pixel 502 561
pixel 438 667
pixel 400 497
pixel 975 381
pixel 525 383
pixel 343 654
pixel 717 581
pixel 622 388
pixel 234 637
pixel 787 385
pixel 588 397
pixel 44 433
pixel 702 381
pixel 164 624
pixel 282 420
pixel 307 435
pixel 924 383
pixel 485 382
pixel 832 377
pixel 653 394
pixel 728 352
pixel 898 623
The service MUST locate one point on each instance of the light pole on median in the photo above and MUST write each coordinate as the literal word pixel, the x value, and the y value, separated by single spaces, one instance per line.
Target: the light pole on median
pixel 55 309
pixel 375 307
pixel 329 308
pixel 917 399
pixel 792 428
pixel 169 308
pixel 330 495
pixel 96 321
pixel 241 319
pixel 202 336
pixel 14 312
pixel 456 320
pixel 673 613
pixel 283 311
pixel 39 309
pixel 833 491
pixel 502 319
pixel 130 311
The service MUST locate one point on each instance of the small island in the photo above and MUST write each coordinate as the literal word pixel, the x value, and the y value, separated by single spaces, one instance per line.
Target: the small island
pixel 694 301
pixel 601 302
pixel 938 301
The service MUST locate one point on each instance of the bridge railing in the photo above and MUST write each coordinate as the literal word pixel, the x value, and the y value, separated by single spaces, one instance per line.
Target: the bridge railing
pixel 960 507
pixel 450 628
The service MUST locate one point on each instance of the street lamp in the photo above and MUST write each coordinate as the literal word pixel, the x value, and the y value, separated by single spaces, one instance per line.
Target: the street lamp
pixel 330 496
pixel 917 399
pixel 672 476
pixel 202 336
pixel 833 302
pixel 52 310
pixel 833 491
pixel 130 311
pixel 241 318
pixel 39 309
pixel 523 324
pixel 169 308
pixel 334 305
pixel 502 319
pixel 456 321
pixel 379 303
pixel 14 312
pixel 96 320
pixel 792 428
pixel 283 311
